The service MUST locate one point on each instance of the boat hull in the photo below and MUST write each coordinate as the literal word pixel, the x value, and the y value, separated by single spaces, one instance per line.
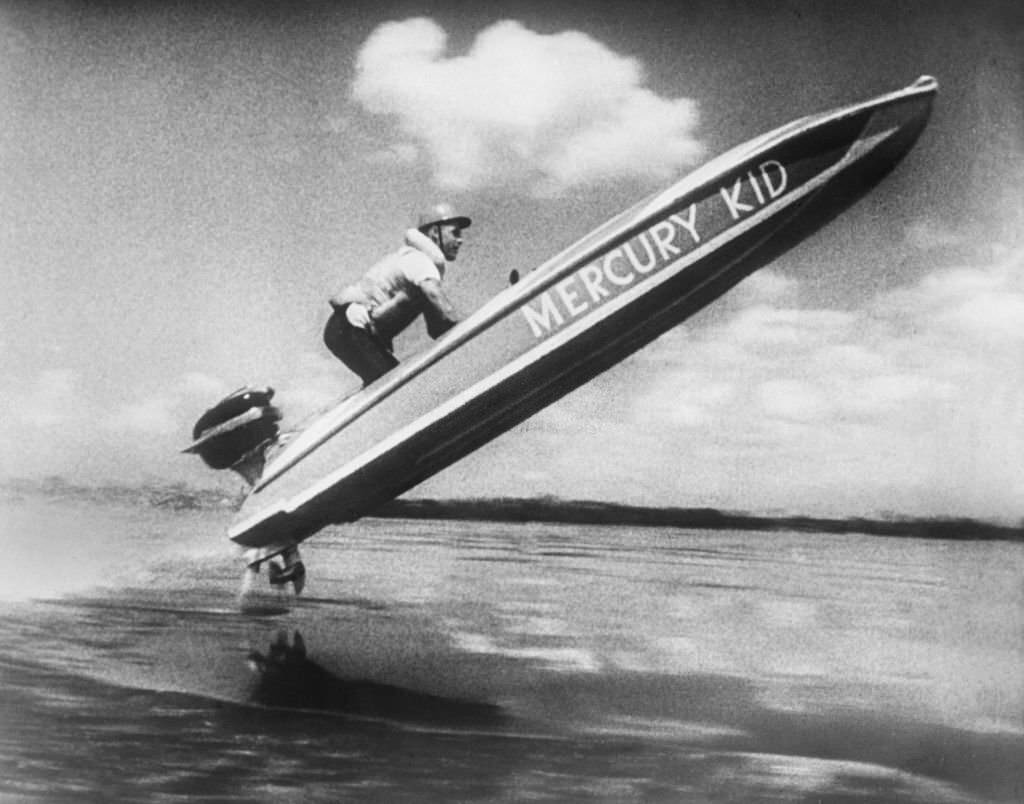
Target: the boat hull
pixel 600 300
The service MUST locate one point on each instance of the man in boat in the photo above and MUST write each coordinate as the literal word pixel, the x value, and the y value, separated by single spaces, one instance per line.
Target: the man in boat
pixel 393 293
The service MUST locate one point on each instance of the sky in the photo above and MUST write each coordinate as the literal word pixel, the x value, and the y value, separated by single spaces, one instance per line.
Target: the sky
pixel 185 184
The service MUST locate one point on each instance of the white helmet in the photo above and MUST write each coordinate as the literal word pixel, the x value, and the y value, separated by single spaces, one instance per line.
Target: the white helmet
pixel 441 213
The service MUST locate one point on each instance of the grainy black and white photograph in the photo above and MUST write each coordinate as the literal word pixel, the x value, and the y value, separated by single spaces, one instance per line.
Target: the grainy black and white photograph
pixel 447 401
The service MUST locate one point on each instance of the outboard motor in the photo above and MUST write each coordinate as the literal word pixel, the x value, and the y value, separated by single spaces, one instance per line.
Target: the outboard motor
pixel 235 433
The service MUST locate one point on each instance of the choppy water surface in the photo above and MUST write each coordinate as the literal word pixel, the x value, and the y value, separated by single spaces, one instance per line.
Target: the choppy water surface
pixel 444 661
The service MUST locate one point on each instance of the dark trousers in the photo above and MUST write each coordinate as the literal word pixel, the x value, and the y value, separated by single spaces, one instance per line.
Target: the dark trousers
pixel 357 348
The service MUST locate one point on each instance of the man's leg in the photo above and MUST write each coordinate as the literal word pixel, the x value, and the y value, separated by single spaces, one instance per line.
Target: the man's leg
pixel 357 349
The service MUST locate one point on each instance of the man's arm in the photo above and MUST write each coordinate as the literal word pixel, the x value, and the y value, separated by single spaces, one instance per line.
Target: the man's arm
pixel 438 311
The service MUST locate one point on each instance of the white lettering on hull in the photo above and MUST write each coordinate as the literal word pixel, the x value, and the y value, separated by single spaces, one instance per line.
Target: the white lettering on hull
pixel 546 319
pixel 652 249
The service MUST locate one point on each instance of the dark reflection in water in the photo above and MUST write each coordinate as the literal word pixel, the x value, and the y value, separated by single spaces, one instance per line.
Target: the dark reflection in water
pixel 288 678
pixel 445 662
pixel 870 755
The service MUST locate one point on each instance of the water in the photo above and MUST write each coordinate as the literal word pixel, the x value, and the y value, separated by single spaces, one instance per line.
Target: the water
pixel 458 661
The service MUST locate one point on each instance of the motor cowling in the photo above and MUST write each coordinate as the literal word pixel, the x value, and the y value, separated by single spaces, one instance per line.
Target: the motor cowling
pixel 234 432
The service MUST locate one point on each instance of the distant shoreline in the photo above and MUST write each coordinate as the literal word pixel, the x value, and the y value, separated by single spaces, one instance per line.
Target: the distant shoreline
pixel 180 497
pixel 584 512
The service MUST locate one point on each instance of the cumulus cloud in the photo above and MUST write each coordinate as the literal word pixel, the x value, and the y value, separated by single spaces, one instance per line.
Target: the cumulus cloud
pixel 884 392
pixel 49 401
pixel 47 420
pixel 691 399
pixel 792 399
pixel 980 304
pixel 548 112
pixel 764 326
pixel 154 416
pixel 168 412
pixel 767 286
pixel 927 235
pixel 205 386
pixel 914 400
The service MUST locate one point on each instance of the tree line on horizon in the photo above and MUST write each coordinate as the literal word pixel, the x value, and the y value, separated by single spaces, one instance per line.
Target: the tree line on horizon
pixel 180 496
